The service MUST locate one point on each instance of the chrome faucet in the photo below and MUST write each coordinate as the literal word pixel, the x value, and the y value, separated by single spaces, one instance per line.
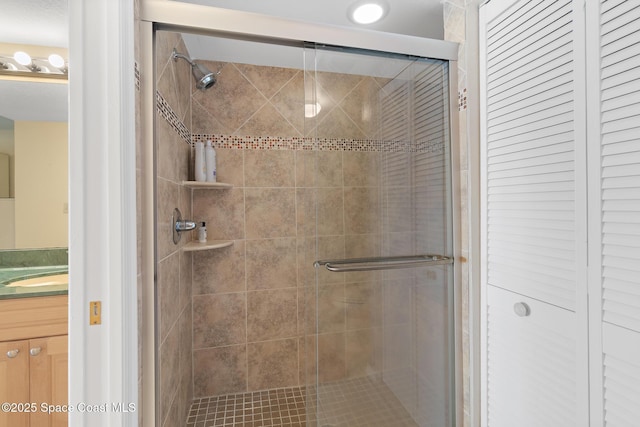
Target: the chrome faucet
pixel 180 225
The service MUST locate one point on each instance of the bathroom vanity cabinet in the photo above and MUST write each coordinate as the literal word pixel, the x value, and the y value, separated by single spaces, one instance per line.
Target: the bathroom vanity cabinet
pixel 33 361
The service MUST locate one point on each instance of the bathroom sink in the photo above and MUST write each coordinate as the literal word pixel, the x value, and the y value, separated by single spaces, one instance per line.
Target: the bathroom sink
pixel 52 280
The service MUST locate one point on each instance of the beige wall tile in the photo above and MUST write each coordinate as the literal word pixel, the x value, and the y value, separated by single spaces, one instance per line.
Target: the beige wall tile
pixel 361 210
pixel 220 370
pixel 270 263
pixel 268 80
pixel 270 212
pixel 319 168
pixel 233 100
pixel 169 292
pixel 289 101
pixel 364 305
pixel 267 121
pixel 363 352
pixel 169 365
pixel 186 279
pixel 172 152
pixel 168 194
pixel 230 166
pixel 331 357
pixel 186 362
pixel 398 301
pixel 331 308
pixel 362 106
pixel 220 271
pixel 272 364
pixel 361 169
pixel 222 210
pixel 272 314
pixel 337 125
pixel 269 168
pixel 219 320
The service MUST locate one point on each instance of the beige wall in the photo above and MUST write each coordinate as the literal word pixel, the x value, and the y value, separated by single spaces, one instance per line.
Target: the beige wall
pixel 41 184
pixel 6 146
pixel 7 228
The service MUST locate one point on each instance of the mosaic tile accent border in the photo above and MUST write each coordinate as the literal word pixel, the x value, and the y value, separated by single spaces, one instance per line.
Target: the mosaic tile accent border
pixel 294 143
pixel 136 73
pixel 172 118
pixel 462 99
pixel 318 144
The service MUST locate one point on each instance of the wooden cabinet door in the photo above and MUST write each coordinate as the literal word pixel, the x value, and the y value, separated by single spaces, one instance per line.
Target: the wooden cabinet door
pixel 14 382
pixel 48 379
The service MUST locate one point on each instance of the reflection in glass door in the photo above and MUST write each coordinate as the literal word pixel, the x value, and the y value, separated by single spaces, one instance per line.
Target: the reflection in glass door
pixel 377 214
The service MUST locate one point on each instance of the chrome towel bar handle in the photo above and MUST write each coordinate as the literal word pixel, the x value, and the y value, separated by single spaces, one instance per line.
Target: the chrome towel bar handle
pixel 382 263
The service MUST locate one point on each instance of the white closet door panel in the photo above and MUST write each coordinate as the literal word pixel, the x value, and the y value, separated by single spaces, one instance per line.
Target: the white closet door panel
pixel 531 370
pixel 537 88
pixel 620 164
pixel 507 114
pixel 621 356
pixel 539 55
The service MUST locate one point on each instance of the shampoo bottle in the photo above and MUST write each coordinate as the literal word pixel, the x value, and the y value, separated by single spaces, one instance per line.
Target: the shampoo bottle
pixel 210 160
pixel 202 232
pixel 200 168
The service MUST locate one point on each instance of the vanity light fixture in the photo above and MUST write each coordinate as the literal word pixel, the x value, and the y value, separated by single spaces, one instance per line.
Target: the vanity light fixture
pixel 367 12
pixel 21 64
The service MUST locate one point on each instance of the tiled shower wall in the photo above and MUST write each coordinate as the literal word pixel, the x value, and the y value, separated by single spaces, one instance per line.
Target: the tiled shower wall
pixel 249 299
pixel 174 270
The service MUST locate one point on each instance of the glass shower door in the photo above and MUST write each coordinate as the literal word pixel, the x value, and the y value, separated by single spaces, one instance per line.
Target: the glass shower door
pixel 376 211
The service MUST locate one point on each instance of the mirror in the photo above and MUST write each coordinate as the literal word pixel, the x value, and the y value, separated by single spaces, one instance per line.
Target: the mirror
pixel 33 160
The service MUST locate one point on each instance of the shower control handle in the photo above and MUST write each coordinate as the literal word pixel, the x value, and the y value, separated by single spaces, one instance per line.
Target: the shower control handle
pixel 185 225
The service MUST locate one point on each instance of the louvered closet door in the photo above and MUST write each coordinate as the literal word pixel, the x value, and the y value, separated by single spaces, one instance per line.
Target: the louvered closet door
pixel 534 215
pixel 619 149
pixel 530 152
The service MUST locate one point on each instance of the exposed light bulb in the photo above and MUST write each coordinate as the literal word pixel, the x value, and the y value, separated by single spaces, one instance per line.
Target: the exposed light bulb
pixel 367 13
pixel 22 58
pixel 56 60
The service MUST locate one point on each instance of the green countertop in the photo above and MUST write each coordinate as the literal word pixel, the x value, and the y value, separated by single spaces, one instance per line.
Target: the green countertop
pixel 14 274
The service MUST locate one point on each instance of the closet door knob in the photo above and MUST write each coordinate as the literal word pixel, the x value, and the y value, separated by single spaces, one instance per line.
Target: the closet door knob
pixel 521 309
pixel 35 351
pixel 12 353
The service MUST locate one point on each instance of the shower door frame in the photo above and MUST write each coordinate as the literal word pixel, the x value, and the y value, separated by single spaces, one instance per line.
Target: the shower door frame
pixel 185 17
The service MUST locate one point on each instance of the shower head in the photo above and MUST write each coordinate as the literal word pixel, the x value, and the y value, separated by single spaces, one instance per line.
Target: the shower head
pixel 204 77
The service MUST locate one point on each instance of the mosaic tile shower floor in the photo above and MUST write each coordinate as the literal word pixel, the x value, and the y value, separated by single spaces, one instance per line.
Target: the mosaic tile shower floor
pixel 362 402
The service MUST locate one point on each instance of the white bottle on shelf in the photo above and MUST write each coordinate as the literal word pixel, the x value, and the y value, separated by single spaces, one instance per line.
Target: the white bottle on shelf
pixel 200 167
pixel 202 232
pixel 210 160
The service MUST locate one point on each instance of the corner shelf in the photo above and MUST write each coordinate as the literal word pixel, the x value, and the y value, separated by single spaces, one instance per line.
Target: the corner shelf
pixel 205 185
pixel 208 245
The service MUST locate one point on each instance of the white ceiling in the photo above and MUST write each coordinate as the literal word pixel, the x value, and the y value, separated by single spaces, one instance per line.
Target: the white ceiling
pixel 421 18
pixel 45 23
pixel 38 22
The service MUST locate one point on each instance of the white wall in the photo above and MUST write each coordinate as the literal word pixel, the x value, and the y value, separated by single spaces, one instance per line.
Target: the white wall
pixel 41 190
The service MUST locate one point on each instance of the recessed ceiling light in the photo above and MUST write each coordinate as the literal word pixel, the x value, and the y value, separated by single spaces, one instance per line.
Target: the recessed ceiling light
pixel 367 13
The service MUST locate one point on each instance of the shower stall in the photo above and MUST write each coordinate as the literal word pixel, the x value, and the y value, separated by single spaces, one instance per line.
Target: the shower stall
pixel 325 295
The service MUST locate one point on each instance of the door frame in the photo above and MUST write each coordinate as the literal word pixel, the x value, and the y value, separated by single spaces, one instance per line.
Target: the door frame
pixel 102 210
